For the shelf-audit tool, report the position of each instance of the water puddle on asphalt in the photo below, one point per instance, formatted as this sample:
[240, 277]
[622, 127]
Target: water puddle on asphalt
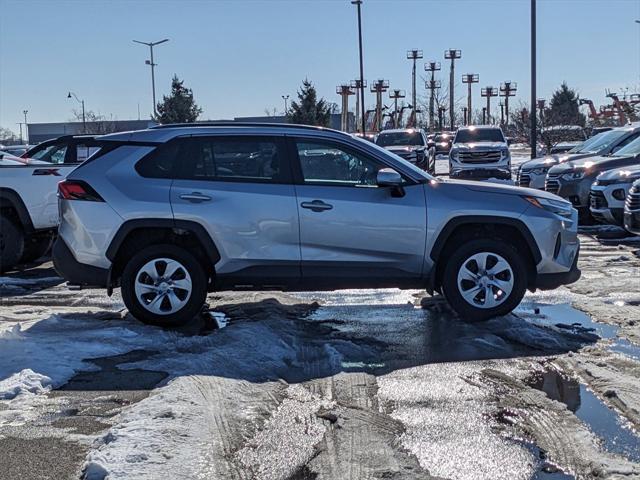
[615, 436]
[625, 347]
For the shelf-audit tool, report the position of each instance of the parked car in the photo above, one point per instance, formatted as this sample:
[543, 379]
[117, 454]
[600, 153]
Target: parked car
[370, 136]
[442, 143]
[608, 194]
[17, 150]
[632, 209]
[410, 144]
[562, 138]
[28, 202]
[480, 152]
[170, 213]
[572, 180]
[533, 173]
[68, 149]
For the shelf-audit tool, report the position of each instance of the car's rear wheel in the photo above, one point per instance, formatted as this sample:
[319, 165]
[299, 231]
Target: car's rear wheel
[164, 285]
[36, 246]
[484, 278]
[11, 243]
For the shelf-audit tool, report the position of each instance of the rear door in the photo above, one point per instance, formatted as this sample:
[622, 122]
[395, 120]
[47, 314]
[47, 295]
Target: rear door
[239, 188]
[352, 232]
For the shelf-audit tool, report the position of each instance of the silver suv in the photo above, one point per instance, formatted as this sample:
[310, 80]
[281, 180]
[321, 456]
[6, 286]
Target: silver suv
[480, 152]
[170, 213]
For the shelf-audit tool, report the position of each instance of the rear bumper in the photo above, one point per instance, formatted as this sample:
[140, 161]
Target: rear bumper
[75, 272]
[549, 281]
[632, 221]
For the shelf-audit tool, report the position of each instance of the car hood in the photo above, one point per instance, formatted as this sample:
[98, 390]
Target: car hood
[594, 164]
[554, 159]
[622, 175]
[403, 148]
[479, 146]
[501, 188]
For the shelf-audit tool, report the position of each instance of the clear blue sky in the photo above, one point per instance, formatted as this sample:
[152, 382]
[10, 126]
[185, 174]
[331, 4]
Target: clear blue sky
[240, 56]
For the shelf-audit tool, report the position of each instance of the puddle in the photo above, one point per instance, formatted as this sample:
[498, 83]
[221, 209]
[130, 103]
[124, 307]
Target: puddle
[544, 469]
[625, 347]
[615, 437]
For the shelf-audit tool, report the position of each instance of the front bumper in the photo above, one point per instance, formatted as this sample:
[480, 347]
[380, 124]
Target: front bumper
[75, 272]
[577, 192]
[526, 178]
[632, 221]
[549, 281]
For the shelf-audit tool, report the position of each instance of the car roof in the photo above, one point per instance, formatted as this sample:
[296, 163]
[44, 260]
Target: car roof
[400, 130]
[479, 127]
[164, 133]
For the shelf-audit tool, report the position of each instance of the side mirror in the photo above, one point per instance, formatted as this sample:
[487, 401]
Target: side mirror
[388, 177]
[509, 141]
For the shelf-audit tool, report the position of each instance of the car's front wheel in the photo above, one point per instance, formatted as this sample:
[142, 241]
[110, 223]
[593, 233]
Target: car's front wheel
[164, 285]
[484, 278]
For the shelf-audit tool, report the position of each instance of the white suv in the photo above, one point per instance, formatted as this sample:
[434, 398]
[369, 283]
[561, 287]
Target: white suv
[480, 152]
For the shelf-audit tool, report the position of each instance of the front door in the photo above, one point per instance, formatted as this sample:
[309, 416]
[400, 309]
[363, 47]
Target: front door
[354, 233]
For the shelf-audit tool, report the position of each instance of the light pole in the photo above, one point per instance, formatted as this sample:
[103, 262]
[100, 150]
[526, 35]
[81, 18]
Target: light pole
[508, 89]
[84, 122]
[413, 55]
[432, 85]
[469, 79]
[358, 4]
[532, 110]
[26, 127]
[379, 87]
[20, 125]
[395, 95]
[286, 106]
[152, 65]
[488, 92]
[356, 86]
[452, 54]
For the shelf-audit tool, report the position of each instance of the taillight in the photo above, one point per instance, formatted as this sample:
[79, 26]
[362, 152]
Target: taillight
[77, 190]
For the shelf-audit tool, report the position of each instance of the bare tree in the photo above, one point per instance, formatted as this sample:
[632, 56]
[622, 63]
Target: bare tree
[96, 124]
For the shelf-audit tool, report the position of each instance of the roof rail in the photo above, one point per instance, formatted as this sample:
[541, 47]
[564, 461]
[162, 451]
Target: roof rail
[243, 124]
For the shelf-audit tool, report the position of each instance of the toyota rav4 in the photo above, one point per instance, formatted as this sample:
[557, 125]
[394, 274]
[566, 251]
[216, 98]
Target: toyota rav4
[170, 213]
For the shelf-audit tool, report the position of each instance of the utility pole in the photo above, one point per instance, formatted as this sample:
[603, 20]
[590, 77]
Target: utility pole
[413, 55]
[488, 92]
[358, 4]
[26, 127]
[344, 91]
[533, 134]
[286, 104]
[395, 95]
[469, 79]
[484, 115]
[379, 87]
[453, 55]
[153, 66]
[359, 86]
[507, 89]
[464, 115]
[432, 85]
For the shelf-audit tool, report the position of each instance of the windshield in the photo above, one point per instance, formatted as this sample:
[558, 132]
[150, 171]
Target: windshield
[629, 150]
[599, 142]
[445, 137]
[52, 154]
[469, 135]
[400, 138]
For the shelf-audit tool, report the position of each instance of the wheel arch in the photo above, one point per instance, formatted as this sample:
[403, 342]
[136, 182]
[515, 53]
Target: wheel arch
[136, 234]
[10, 200]
[461, 229]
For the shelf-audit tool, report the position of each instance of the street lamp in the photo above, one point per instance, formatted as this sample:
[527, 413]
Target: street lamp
[469, 79]
[453, 55]
[358, 4]
[432, 85]
[84, 122]
[395, 95]
[152, 65]
[26, 128]
[358, 85]
[532, 109]
[286, 107]
[413, 55]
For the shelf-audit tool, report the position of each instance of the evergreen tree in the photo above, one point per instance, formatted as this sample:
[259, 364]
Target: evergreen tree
[179, 106]
[308, 110]
[564, 108]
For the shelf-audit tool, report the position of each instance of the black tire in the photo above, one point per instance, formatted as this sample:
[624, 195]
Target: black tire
[11, 243]
[36, 247]
[457, 259]
[195, 301]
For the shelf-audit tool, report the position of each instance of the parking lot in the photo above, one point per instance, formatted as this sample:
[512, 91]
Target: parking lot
[346, 384]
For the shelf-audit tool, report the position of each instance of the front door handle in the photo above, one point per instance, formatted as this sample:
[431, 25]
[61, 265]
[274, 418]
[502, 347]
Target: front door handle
[316, 206]
[195, 197]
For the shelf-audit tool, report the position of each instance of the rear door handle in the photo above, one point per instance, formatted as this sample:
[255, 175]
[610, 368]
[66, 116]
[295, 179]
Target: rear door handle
[316, 206]
[195, 197]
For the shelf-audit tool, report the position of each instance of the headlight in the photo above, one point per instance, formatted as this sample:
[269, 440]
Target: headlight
[454, 155]
[539, 171]
[573, 175]
[619, 194]
[505, 154]
[559, 207]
